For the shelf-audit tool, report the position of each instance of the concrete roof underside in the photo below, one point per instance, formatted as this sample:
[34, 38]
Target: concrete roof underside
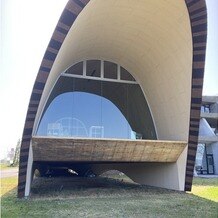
[152, 40]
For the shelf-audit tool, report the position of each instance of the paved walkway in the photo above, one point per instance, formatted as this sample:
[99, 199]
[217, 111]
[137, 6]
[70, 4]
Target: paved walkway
[9, 173]
[207, 176]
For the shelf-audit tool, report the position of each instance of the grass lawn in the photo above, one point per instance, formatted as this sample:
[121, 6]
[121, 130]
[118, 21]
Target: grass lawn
[206, 188]
[107, 197]
[8, 184]
[4, 166]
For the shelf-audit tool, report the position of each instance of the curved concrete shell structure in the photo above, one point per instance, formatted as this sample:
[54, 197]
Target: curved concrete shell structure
[160, 46]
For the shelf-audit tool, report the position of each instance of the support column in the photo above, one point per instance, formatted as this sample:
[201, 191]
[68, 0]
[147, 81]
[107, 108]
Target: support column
[29, 172]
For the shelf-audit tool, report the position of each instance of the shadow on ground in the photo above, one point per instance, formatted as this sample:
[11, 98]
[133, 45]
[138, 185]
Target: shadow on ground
[71, 187]
[103, 197]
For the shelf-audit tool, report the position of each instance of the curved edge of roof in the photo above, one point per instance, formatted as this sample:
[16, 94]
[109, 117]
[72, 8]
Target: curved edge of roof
[198, 19]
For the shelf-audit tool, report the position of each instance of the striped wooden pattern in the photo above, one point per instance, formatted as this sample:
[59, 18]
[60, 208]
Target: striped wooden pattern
[198, 19]
[105, 150]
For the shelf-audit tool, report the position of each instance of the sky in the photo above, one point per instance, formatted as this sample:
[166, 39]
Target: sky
[26, 27]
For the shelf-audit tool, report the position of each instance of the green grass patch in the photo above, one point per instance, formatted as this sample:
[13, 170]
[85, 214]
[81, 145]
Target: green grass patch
[206, 188]
[127, 204]
[7, 184]
[4, 166]
[107, 198]
[197, 181]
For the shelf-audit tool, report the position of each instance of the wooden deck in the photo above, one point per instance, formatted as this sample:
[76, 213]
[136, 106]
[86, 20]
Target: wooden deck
[105, 150]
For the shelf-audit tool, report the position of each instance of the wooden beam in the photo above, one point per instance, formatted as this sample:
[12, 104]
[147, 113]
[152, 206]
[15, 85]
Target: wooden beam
[110, 150]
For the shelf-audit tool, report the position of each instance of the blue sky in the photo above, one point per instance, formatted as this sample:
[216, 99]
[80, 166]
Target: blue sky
[26, 21]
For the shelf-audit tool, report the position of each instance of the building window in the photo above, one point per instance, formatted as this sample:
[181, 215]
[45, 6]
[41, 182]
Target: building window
[207, 108]
[125, 75]
[97, 104]
[93, 68]
[85, 115]
[76, 69]
[110, 70]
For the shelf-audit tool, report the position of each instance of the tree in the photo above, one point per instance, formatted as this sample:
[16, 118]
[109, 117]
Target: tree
[17, 154]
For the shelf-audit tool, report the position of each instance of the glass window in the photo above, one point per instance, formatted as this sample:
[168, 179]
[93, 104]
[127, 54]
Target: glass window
[110, 70]
[117, 94]
[76, 69]
[93, 68]
[86, 115]
[125, 75]
[85, 107]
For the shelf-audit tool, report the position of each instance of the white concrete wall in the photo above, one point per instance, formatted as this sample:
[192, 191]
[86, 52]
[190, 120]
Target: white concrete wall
[205, 129]
[152, 40]
[29, 172]
[164, 175]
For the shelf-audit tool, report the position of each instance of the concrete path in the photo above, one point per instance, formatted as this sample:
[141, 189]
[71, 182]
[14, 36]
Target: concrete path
[9, 173]
[207, 176]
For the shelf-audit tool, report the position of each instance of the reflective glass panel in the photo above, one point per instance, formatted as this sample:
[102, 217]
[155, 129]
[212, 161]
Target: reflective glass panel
[125, 75]
[76, 69]
[86, 107]
[110, 70]
[93, 68]
[86, 115]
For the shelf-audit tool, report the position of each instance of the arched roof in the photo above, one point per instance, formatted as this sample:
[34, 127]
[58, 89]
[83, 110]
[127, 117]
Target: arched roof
[155, 48]
[160, 42]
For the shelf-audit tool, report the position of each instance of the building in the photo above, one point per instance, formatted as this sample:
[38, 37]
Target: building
[119, 87]
[207, 153]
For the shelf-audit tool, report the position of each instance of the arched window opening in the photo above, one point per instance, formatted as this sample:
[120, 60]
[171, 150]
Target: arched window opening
[97, 99]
